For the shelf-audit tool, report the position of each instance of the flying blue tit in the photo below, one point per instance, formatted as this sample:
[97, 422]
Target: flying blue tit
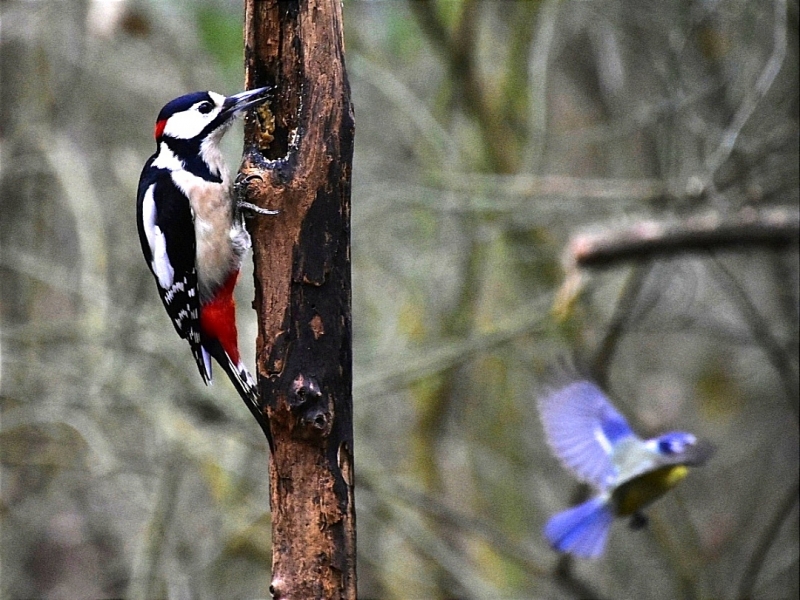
[595, 442]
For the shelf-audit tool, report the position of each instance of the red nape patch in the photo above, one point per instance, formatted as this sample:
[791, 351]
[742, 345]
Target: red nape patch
[160, 128]
[218, 319]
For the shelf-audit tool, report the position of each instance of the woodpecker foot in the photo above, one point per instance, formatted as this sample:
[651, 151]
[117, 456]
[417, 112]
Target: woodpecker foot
[257, 209]
[240, 189]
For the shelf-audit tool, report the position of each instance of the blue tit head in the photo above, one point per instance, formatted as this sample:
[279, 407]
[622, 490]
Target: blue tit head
[675, 442]
[680, 447]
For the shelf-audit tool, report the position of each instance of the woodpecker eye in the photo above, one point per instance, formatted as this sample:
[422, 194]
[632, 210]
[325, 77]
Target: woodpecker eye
[205, 107]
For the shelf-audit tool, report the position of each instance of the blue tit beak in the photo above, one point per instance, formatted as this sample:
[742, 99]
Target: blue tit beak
[698, 454]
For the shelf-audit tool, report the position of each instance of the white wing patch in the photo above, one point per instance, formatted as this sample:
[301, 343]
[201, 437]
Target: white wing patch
[601, 439]
[158, 243]
[207, 363]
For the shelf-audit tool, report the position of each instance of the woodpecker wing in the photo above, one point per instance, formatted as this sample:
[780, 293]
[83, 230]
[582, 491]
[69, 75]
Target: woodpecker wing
[583, 428]
[166, 233]
[242, 381]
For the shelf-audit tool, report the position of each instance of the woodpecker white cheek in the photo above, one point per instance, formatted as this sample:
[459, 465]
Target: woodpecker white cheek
[189, 124]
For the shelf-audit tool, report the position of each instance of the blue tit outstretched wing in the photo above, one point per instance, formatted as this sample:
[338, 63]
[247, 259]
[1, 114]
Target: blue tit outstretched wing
[583, 429]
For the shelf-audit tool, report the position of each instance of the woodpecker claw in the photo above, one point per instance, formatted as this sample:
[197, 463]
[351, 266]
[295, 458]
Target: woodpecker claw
[257, 209]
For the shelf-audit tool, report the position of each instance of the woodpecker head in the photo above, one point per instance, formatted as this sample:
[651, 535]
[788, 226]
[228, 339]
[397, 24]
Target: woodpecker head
[189, 129]
[203, 115]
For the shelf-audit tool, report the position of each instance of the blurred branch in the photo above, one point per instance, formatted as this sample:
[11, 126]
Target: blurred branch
[768, 537]
[538, 81]
[751, 100]
[430, 543]
[457, 49]
[458, 521]
[661, 111]
[81, 198]
[531, 186]
[761, 332]
[514, 89]
[788, 298]
[656, 239]
[46, 272]
[565, 578]
[548, 199]
[400, 374]
[147, 580]
[408, 103]
[619, 321]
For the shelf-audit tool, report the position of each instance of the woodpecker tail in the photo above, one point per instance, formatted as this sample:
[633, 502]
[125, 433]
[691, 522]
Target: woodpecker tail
[220, 340]
[243, 382]
[581, 530]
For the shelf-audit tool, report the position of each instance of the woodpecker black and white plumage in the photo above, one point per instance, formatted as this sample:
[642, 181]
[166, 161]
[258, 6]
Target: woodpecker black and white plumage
[192, 234]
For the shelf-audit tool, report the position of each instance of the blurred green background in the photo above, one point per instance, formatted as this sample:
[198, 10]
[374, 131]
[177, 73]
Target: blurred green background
[488, 134]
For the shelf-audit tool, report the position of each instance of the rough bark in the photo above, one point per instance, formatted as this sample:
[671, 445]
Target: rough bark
[301, 166]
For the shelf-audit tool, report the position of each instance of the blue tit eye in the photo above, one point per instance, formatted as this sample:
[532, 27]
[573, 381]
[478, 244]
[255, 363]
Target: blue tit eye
[675, 442]
[667, 447]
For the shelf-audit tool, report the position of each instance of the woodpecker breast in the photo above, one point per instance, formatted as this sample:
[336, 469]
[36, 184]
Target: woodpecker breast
[215, 230]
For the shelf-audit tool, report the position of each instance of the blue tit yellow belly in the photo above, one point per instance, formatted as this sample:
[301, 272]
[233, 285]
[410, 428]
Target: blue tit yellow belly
[640, 491]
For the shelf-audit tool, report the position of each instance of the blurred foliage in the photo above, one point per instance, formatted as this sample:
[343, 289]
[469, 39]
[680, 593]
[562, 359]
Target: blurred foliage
[222, 36]
[488, 134]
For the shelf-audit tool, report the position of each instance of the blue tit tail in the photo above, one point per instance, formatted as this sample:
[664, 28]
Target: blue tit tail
[581, 530]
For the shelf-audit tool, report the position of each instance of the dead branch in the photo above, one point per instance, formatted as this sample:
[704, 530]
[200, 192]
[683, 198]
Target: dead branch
[776, 227]
[297, 160]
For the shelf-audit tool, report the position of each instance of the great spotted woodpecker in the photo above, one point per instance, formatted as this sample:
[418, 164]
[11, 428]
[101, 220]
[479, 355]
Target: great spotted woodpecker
[192, 233]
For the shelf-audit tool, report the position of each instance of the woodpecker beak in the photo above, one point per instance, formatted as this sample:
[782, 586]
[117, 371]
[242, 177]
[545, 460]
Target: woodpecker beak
[238, 103]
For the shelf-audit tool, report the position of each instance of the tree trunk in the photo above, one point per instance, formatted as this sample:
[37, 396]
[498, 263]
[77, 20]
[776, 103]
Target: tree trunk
[298, 160]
